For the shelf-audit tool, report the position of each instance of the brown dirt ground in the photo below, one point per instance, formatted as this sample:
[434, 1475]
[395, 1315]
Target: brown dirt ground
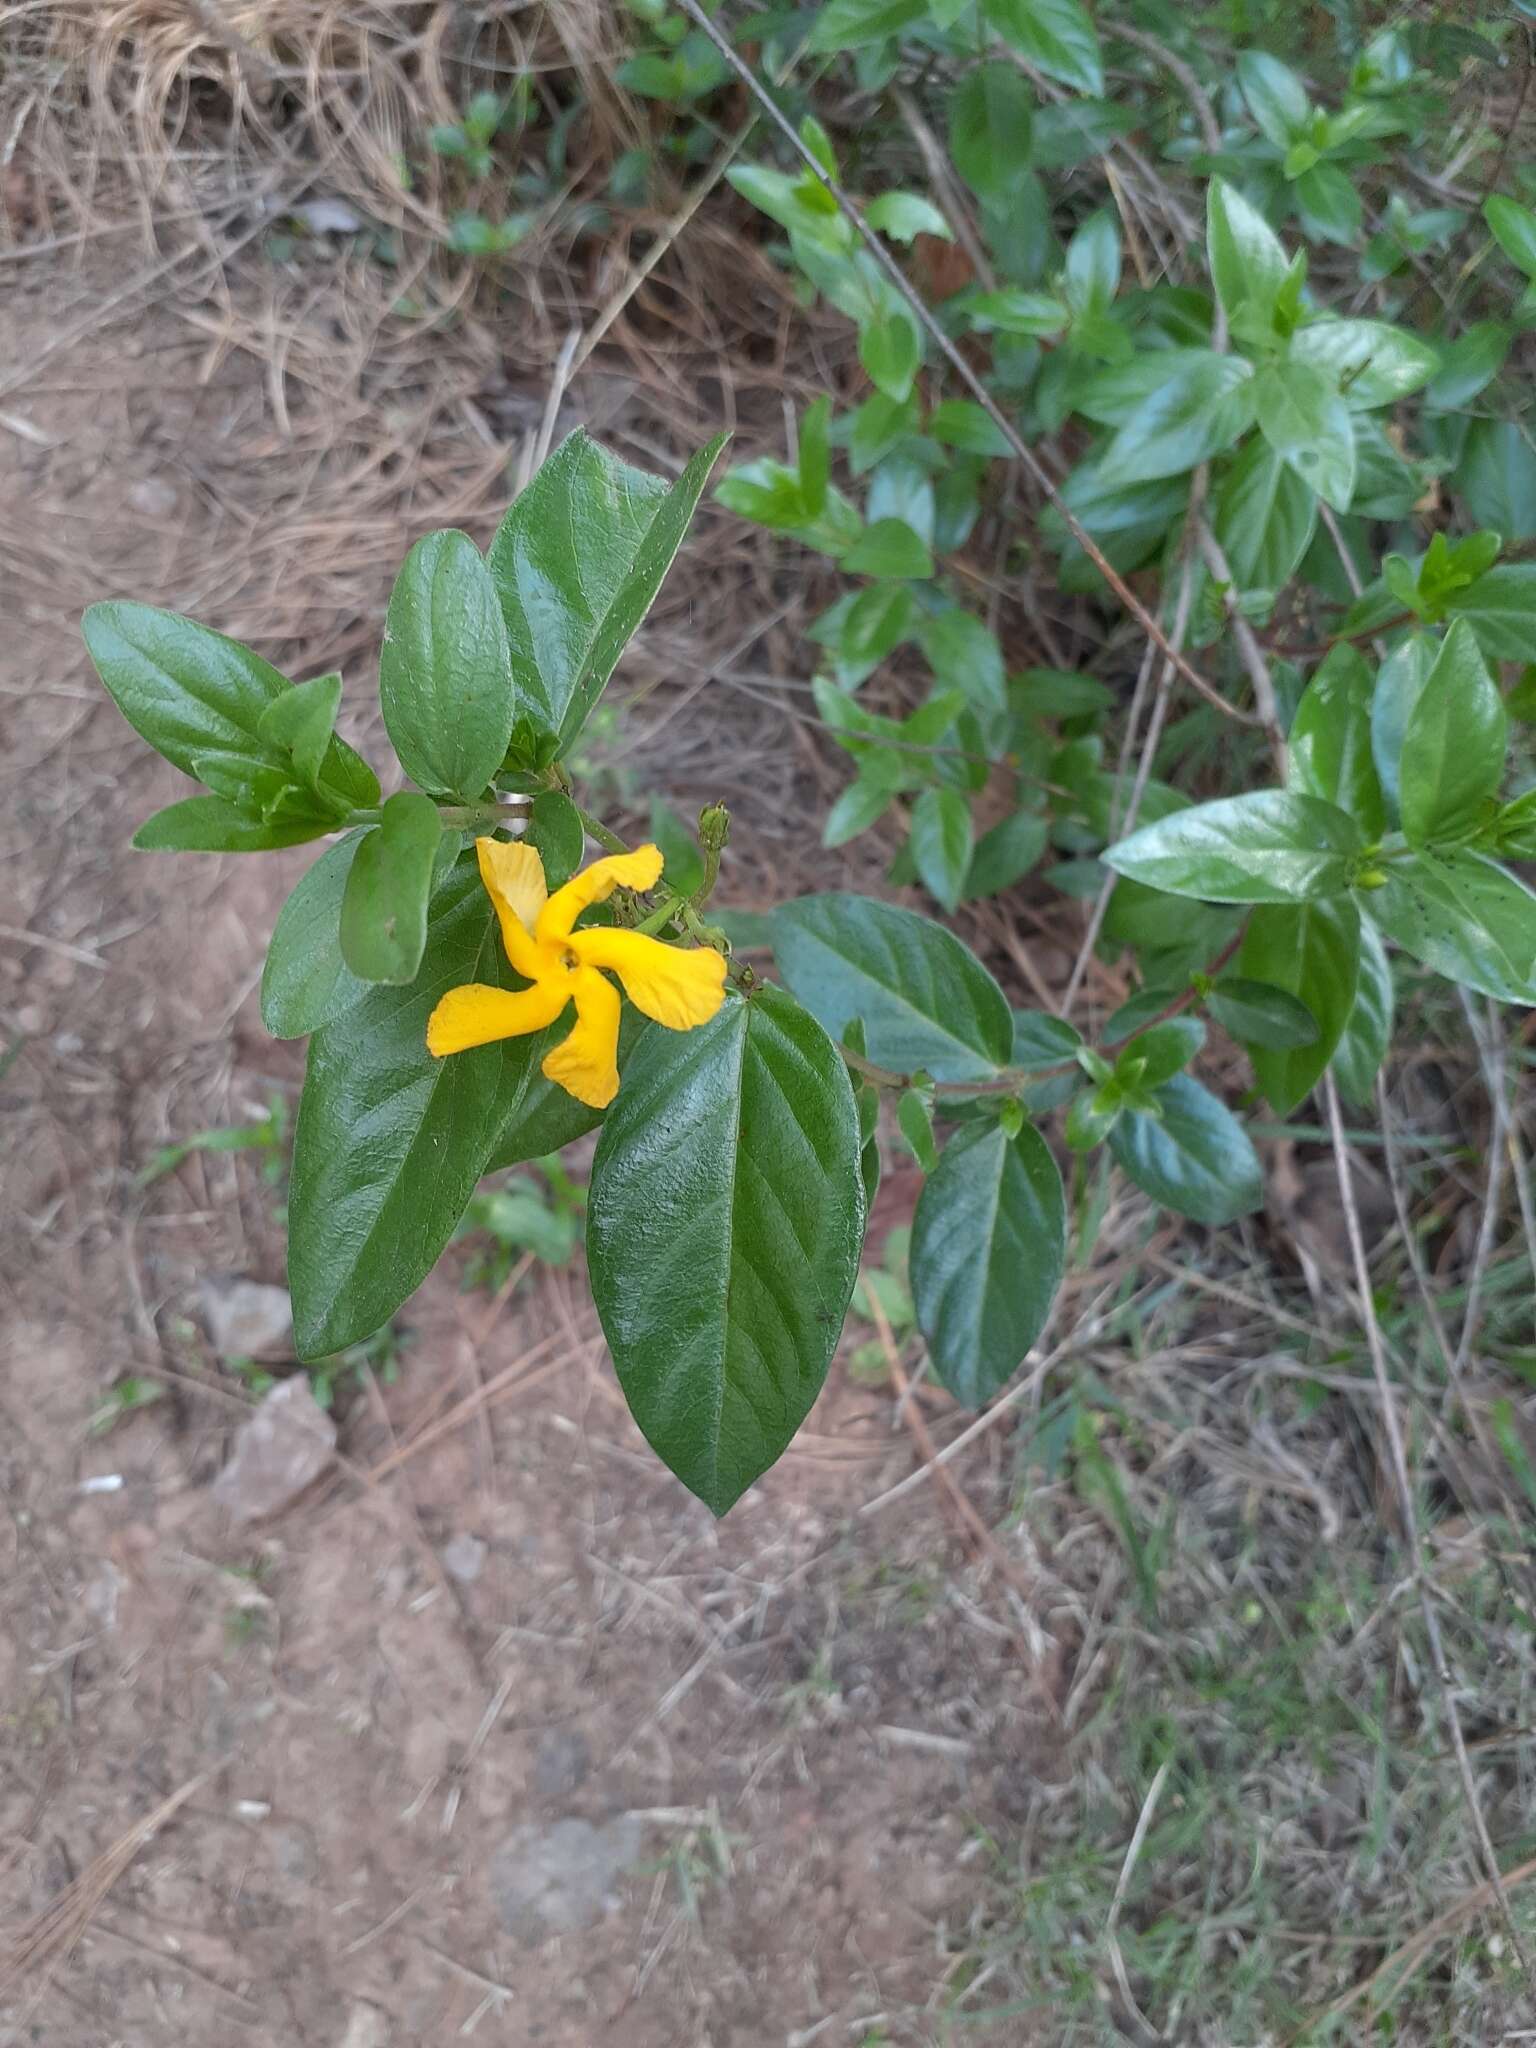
[815, 1722]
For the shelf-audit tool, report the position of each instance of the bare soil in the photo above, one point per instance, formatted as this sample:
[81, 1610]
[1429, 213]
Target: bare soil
[814, 1722]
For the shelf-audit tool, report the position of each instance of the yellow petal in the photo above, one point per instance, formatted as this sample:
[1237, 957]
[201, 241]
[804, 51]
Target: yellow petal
[638, 870]
[677, 988]
[477, 1014]
[513, 875]
[586, 1064]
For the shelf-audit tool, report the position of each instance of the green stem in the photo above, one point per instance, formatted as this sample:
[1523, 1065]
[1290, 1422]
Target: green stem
[596, 829]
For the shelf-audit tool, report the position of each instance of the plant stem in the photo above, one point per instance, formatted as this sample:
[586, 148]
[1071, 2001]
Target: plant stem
[596, 829]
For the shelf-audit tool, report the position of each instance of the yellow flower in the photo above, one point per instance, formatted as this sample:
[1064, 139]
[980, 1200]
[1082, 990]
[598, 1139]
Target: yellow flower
[679, 989]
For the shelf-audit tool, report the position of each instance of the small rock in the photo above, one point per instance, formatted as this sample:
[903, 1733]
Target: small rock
[367, 2027]
[246, 1318]
[464, 1558]
[152, 496]
[560, 1879]
[280, 1452]
[326, 216]
[560, 1762]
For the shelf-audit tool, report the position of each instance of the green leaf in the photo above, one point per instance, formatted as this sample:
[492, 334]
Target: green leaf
[1329, 204]
[1398, 683]
[866, 800]
[1453, 746]
[1056, 36]
[991, 112]
[1497, 477]
[1330, 744]
[1006, 853]
[1257, 1014]
[1248, 265]
[1514, 229]
[544, 1118]
[916, 1121]
[1197, 411]
[925, 999]
[1276, 97]
[1274, 846]
[305, 982]
[384, 909]
[964, 655]
[888, 548]
[1265, 516]
[1040, 1040]
[1370, 362]
[958, 423]
[211, 824]
[300, 723]
[988, 1249]
[1500, 606]
[941, 843]
[850, 24]
[389, 1142]
[1160, 1052]
[891, 350]
[1091, 275]
[906, 215]
[1464, 916]
[445, 684]
[1092, 1115]
[815, 456]
[570, 605]
[1363, 1043]
[725, 1220]
[1311, 950]
[1467, 365]
[556, 830]
[1193, 1156]
[1307, 423]
[1031, 314]
[196, 696]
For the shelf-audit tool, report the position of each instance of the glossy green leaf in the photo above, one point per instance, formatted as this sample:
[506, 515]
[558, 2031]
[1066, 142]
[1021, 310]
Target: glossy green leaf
[1257, 1014]
[1363, 1043]
[556, 830]
[211, 824]
[1497, 477]
[891, 350]
[1311, 950]
[1464, 916]
[1307, 423]
[906, 215]
[1091, 274]
[1265, 515]
[988, 1249]
[1398, 683]
[305, 982]
[1041, 1040]
[1197, 411]
[866, 800]
[1501, 609]
[1372, 363]
[888, 548]
[1329, 205]
[196, 696]
[1330, 742]
[444, 681]
[959, 423]
[1193, 1156]
[384, 908]
[1056, 36]
[577, 562]
[991, 112]
[941, 843]
[1467, 365]
[1006, 853]
[1161, 1051]
[545, 1118]
[1452, 757]
[301, 721]
[1514, 229]
[1274, 846]
[389, 1142]
[1276, 97]
[1248, 265]
[849, 24]
[1033, 315]
[925, 999]
[1092, 1114]
[964, 655]
[725, 1221]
